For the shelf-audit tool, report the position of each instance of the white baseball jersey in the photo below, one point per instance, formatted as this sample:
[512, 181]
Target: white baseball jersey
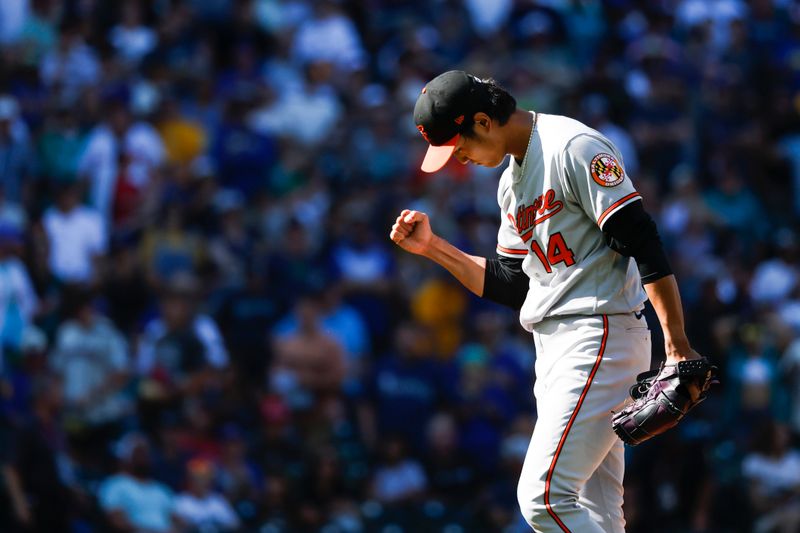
[553, 208]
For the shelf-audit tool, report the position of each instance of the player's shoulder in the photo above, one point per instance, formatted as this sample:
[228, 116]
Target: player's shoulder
[561, 128]
[560, 134]
[560, 124]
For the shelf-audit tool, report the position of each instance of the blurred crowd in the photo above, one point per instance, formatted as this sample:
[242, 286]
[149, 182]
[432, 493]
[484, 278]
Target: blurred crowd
[204, 327]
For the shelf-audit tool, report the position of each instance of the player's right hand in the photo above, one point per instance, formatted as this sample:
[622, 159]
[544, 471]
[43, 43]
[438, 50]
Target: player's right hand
[412, 232]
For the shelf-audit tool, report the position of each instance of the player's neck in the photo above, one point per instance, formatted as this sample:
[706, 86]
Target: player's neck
[518, 133]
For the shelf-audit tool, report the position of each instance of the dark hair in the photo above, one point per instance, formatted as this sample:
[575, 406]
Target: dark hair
[498, 104]
[76, 298]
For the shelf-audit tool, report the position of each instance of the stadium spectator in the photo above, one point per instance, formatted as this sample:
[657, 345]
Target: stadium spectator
[40, 462]
[399, 479]
[244, 158]
[342, 322]
[39, 32]
[201, 508]
[120, 153]
[309, 364]
[404, 389]
[18, 300]
[132, 39]
[72, 65]
[329, 35]
[171, 248]
[181, 350]
[773, 469]
[61, 145]
[16, 152]
[451, 475]
[91, 358]
[238, 475]
[232, 250]
[77, 238]
[131, 499]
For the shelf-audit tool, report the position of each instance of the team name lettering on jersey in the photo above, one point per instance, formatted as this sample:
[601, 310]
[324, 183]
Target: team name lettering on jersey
[542, 208]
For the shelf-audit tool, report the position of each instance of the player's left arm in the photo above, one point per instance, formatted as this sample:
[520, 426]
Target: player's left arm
[632, 232]
[666, 300]
[595, 177]
[664, 396]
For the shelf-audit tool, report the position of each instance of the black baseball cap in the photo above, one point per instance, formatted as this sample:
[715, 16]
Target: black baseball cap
[444, 110]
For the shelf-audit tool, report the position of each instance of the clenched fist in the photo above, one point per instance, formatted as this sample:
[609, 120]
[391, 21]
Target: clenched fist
[412, 232]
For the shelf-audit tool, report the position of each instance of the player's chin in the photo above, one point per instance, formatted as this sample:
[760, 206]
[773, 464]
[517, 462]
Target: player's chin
[496, 162]
[489, 164]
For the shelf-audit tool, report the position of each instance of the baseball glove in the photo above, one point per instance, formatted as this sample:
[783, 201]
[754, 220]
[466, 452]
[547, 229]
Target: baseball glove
[662, 398]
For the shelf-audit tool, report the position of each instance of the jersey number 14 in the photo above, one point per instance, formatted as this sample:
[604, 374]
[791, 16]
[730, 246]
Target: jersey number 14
[557, 252]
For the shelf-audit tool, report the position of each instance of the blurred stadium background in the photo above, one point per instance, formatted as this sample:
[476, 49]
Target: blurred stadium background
[205, 328]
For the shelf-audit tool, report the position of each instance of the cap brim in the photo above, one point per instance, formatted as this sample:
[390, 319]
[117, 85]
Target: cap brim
[438, 156]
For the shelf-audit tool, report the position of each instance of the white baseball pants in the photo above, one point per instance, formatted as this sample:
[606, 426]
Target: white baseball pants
[571, 480]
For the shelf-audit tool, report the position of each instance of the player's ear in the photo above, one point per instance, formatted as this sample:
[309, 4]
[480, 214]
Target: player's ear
[483, 122]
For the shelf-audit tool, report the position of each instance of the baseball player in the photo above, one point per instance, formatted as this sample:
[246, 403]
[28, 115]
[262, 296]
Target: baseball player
[574, 249]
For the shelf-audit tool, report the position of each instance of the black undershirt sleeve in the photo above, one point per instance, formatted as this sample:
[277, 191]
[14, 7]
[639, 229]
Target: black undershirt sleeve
[633, 233]
[505, 282]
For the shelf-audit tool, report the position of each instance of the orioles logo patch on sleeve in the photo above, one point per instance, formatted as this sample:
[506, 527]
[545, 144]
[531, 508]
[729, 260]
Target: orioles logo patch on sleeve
[606, 171]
